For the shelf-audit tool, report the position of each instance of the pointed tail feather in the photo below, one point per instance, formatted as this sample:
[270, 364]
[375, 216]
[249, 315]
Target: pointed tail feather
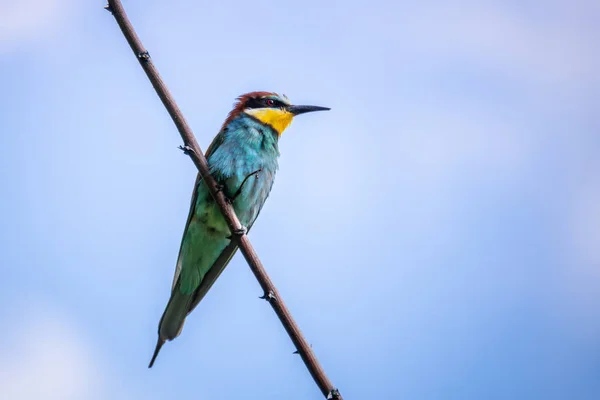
[159, 344]
[172, 320]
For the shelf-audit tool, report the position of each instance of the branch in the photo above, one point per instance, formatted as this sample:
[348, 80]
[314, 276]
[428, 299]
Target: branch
[193, 150]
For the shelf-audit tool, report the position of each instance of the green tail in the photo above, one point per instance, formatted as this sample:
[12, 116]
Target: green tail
[172, 320]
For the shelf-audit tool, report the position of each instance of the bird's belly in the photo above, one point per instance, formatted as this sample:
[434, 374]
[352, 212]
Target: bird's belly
[253, 193]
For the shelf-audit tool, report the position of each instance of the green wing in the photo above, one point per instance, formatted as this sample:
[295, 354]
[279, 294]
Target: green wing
[217, 268]
[217, 141]
[211, 276]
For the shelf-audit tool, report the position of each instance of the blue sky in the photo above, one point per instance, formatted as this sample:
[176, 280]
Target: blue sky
[436, 234]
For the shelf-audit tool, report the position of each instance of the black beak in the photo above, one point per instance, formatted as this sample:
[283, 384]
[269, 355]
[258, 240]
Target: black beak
[297, 110]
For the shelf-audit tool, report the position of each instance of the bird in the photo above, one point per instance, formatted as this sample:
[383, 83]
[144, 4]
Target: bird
[243, 159]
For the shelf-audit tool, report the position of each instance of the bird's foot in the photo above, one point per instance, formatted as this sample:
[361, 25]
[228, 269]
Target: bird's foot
[333, 394]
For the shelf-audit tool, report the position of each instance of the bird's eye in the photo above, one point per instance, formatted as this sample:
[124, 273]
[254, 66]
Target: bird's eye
[270, 102]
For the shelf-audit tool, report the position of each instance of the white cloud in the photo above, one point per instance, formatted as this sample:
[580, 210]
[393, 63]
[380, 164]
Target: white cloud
[47, 358]
[26, 20]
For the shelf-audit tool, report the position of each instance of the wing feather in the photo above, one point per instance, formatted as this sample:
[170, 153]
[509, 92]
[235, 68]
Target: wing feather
[217, 141]
[212, 274]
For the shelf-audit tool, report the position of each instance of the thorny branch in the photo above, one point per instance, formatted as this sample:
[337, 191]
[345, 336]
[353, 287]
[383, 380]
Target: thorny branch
[193, 150]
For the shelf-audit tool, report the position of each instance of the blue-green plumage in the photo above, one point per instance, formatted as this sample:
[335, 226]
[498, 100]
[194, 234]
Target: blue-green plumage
[244, 147]
[243, 159]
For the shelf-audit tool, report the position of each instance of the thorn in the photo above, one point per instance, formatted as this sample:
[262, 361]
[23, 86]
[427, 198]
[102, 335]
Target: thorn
[108, 8]
[187, 150]
[270, 296]
[296, 352]
[238, 232]
[144, 55]
[333, 394]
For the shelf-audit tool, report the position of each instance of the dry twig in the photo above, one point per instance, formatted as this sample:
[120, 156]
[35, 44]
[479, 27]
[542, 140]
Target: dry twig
[193, 150]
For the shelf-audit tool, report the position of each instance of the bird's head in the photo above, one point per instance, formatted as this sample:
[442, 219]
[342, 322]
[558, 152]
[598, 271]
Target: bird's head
[270, 109]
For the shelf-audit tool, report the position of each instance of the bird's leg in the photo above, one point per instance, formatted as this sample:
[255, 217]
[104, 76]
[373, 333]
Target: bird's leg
[237, 193]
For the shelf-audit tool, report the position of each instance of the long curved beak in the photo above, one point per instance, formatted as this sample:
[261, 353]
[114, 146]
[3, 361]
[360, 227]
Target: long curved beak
[297, 110]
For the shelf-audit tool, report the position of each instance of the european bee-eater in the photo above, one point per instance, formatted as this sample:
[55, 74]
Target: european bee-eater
[243, 160]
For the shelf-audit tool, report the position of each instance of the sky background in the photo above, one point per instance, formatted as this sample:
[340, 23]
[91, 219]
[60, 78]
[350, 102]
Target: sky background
[436, 235]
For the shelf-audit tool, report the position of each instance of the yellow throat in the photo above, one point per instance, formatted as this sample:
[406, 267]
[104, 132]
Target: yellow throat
[279, 119]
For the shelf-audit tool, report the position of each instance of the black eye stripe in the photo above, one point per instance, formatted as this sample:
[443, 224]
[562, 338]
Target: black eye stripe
[264, 102]
[253, 103]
